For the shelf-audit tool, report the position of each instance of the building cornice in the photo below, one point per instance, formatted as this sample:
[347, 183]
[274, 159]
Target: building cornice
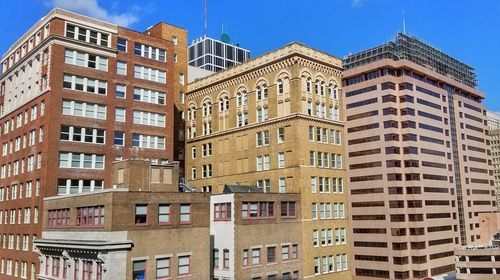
[269, 122]
[294, 53]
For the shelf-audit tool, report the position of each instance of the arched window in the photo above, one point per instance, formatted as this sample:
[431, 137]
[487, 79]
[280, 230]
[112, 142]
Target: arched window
[332, 91]
[281, 87]
[261, 92]
[207, 108]
[223, 103]
[316, 87]
[308, 85]
[241, 98]
[322, 89]
[191, 114]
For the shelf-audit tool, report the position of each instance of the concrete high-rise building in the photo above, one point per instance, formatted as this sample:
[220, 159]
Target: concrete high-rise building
[216, 55]
[275, 122]
[418, 159]
[494, 134]
[76, 94]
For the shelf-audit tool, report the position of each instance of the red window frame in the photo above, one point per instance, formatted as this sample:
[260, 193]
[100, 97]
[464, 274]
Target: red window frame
[222, 211]
[184, 213]
[163, 267]
[295, 248]
[135, 215]
[87, 270]
[85, 216]
[55, 266]
[168, 214]
[245, 257]
[290, 211]
[269, 210]
[58, 218]
[289, 252]
[260, 256]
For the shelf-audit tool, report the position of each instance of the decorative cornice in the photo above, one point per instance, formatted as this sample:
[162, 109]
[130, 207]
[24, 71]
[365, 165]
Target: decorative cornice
[294, 53]
[264, 124]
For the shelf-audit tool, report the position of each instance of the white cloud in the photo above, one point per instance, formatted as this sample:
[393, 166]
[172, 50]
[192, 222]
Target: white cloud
[93, 9]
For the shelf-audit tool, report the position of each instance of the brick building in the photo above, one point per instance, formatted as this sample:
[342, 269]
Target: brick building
[256, 235]
[143, 228]
[274, 122]
[418, 159]
[77, 93]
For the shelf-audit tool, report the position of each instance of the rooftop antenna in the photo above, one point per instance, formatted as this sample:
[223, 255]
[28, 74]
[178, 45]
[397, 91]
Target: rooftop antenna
[205, 16]
[404, 23]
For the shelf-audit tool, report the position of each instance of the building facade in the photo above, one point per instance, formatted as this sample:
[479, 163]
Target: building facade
[256, 235]
[274, 122]
[481, 260]
[76, 93]
[216, 55]
[494, 134]
[418, 159]
[143, 228]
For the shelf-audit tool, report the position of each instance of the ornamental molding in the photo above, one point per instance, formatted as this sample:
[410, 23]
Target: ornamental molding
[285, 57]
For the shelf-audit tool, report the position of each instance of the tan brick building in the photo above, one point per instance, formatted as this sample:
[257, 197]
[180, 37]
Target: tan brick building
[256, 235]
[274, 122]
[494, 134]
[77, 93]
[142, 229]
[418, 159]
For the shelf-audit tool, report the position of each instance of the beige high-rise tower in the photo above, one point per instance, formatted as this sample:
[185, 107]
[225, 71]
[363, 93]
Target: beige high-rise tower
[274, 122]
[418, 159]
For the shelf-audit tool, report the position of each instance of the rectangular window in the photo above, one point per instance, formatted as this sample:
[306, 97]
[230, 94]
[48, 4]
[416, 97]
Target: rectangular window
[92, 216]
[222, 211]
[150, 74]
[121, 91]
[281, 159]
[164, 214]
[288, 209]
[120, 114]
[83, 109]
[148, 141]
[121, 44]
[57, 217]
[256, 256]
[226, 259]
[85, 60]
[138, 270]
[149, 96]
[184, 265]
[150, 52]
[149, 118]
[121, 68]
[141, 214]
[185, 214]
[84, 161]
[271, 254]
[257, 210]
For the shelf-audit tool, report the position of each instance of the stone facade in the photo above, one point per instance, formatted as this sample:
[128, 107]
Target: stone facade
[265, 122]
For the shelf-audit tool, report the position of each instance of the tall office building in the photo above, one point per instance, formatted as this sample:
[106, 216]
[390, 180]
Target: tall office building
[216, 55]
[418, 159]
[76, 94]
[274, 122]
[494, 133]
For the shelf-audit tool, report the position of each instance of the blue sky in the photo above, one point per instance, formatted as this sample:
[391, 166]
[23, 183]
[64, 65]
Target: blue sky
[467, 30]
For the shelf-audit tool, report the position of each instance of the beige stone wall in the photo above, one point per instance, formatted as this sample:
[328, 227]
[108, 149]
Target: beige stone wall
[234, 150]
